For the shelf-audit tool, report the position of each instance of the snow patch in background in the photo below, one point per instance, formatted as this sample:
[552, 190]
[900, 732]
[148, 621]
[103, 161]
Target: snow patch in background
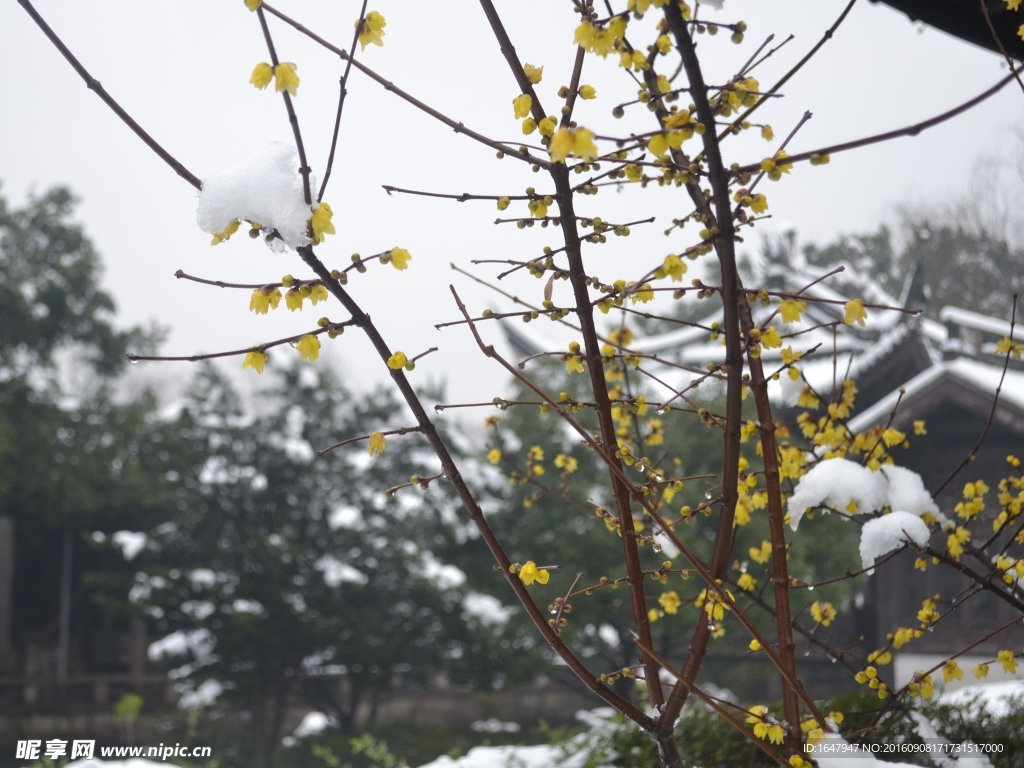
[264, 188]
[335, 572]
[882, 535]
[995, 697]
[129, 542]
[203, 696]
[312, 724]
[486, 609]
[494, 725]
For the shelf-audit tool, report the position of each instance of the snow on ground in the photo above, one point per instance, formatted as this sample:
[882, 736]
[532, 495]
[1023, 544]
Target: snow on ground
[995, 697]
[540, 756]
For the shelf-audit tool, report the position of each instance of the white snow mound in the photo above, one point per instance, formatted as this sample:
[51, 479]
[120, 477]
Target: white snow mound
[882, 535]
[265, 188]
[906, 493]
[837, 482]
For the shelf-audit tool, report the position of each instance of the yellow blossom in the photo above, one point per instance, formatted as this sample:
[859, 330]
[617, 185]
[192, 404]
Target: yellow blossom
[957, 539]
[285, 78]
[309, 347]
[664, 43]
[547, 126]
[318, 293]
[789, 356]
[530, 573]
[397, 361]
[533, 74]
[653, 615]
[770, 338]
[521, 105]
[598, 40]
[255, 360]
[766, 133]
[951, 671]
[670, 601]
[643, 293]
[575, 143]
[377, 444]
[263, 300]
[1008, 662]
[893, 437]
[919, 427]
[494, 455]
[854, 312]
[759, 203]
[399, 258]
[252, 5]
[321, 223]
[588, 92]
[372, 30]
[226, 233]
[1012, 5]
[746, 582]
[573, 364]
[791, 309]
[568, 463]
[293, 299]
[529, 126]
[980, 671]
[761, 554]
[1006, 346]
[754, 645]
[823, 613]
[262, 74]
[674, 267]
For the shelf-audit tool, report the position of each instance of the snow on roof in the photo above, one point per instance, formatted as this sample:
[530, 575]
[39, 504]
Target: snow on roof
[979, 322]
[982, 377]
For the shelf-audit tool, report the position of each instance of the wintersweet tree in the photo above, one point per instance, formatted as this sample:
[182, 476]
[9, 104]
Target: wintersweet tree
[617, 403]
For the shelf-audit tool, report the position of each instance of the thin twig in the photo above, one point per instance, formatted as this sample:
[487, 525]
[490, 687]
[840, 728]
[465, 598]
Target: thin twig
[257, 348]
[995, 37]
[390, 86]
[94, 85]
[403, 431]
[992, 413]
[343, 87]
[910, 130]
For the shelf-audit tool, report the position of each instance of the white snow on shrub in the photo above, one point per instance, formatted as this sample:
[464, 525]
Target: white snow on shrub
[130, 543]
[265, 188]
[882, 535]
[837, 482]
[907, 494]
[203, 696]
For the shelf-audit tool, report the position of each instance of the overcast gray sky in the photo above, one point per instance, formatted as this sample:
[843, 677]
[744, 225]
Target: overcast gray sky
[181, 69]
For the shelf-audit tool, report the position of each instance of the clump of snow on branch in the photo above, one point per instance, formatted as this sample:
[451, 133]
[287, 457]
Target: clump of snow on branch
[882, 535]
[907, 493]
[837, 483]
[265, 188]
